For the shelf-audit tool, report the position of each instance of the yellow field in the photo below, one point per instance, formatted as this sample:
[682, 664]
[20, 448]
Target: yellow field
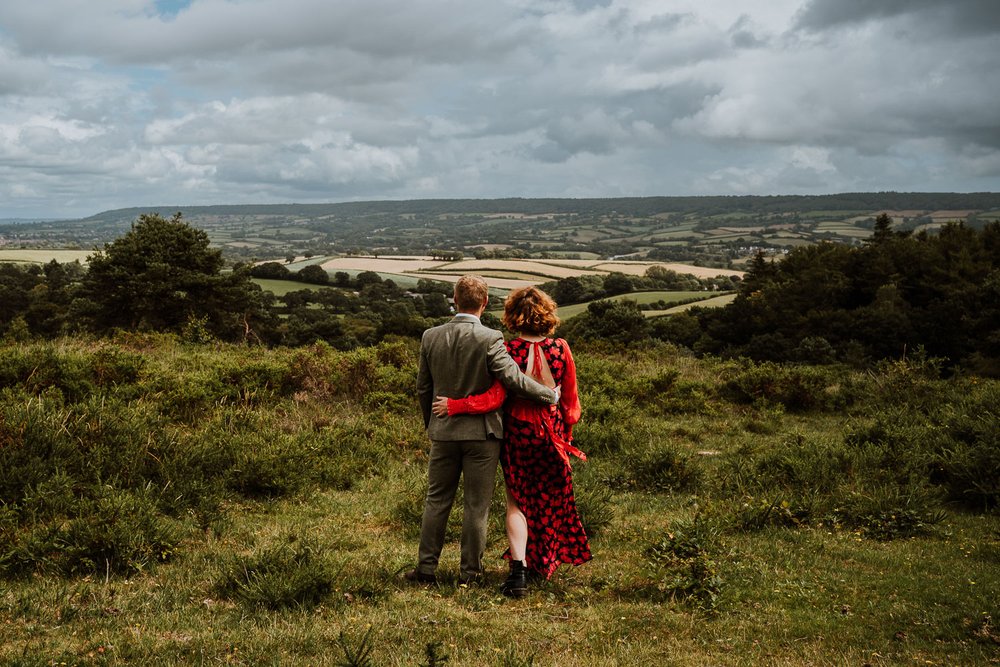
[506, 273]
[44, 256]
[387, 264]
[542, 267]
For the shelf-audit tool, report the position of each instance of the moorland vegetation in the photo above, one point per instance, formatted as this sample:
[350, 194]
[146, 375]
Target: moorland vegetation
[182, 479]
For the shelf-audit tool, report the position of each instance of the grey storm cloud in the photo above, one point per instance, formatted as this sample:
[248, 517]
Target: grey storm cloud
[114, 104]
[940, 16]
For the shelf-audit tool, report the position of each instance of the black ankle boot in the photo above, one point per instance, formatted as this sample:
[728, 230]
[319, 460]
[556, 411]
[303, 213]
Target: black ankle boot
[516, 585]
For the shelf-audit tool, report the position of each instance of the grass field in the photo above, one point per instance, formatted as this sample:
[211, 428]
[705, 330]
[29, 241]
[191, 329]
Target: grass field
[711, 302]
[698, 560]
[566, 312]
[499, 273]
[282, 287]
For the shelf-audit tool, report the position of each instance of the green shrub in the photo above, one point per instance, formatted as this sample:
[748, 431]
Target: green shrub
[608, 437]
[663, 467]
[681, 563]
[797, 388]
[253, 381]
[686, 396]
[761, 512]
[390, 401]
[114, 366]
[887, 512]
[38, 368]
[595, 508]
[969, 462]
[291, 574]
[599, 408]
[116, 532]
[267, 464]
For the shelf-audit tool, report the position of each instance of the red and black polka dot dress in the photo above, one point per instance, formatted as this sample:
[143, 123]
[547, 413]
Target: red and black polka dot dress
[536, 467]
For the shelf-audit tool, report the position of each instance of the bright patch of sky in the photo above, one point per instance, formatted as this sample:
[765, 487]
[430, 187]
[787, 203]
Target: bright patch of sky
[171, 7]
[146, 102]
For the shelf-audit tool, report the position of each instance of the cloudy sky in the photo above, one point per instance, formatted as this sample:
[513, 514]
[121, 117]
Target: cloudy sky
[119, 103]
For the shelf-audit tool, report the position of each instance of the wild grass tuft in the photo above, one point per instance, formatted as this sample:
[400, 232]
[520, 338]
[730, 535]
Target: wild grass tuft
[681, 563]
[291, 573]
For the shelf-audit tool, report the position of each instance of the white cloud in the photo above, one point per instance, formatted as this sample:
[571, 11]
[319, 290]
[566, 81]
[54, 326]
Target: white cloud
[112, 103]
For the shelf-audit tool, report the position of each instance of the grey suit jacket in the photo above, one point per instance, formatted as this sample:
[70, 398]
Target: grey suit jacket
[461, 358]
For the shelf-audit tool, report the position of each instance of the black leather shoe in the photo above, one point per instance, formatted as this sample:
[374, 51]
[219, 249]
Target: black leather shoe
[418, 577]
[516, 585]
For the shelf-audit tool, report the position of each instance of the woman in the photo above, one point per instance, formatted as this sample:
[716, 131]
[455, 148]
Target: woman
[543, 526]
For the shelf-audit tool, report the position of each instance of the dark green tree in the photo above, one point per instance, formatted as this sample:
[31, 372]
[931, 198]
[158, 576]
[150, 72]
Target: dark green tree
[272, 270]
[617, 283]
[314, 274]
[161, 275]
[617, 321]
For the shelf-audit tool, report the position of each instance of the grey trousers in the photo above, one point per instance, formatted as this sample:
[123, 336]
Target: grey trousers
[476, 460]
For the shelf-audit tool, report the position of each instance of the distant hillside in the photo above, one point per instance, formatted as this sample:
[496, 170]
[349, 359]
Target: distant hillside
[638, 206]
[714, 231]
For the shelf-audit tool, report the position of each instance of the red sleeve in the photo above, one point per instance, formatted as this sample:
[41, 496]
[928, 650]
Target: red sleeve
[569, 401]
[478, 404]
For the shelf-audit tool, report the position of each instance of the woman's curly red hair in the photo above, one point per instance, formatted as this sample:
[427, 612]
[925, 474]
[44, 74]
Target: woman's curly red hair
[531, 311]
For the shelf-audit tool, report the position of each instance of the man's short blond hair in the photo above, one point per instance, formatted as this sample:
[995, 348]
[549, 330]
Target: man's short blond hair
[471, 292]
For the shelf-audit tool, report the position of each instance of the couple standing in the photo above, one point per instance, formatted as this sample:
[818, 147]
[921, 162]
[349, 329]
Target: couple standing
[465, 372]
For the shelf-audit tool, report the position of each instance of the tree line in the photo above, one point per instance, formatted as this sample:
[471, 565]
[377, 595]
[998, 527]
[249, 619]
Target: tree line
[900, 292]
[162, 276]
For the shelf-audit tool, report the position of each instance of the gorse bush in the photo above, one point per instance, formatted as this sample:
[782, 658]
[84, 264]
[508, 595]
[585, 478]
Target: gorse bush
[969, 460]
[796, 388]
[113, 532]
[291, 573]
[86, 431]
[663, 467]
[682, 565]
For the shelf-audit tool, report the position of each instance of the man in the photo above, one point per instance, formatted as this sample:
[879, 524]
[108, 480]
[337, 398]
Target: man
[457, 359]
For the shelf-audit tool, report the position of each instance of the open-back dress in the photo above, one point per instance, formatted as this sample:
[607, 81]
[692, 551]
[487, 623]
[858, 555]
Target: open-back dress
[535, 455]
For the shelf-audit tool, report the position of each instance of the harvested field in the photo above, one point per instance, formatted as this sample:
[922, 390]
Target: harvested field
[387, 264]
[950, 215]
[42, 256]
[500, 283]
[544, 269]
[639, 268]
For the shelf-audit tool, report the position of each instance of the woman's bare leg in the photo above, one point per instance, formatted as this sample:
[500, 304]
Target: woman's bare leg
[517, 529]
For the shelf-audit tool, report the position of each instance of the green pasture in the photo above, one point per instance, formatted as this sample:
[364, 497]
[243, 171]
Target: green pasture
[166, 502]
[710, 302]
[567, 312]
[832, 215]
[675, 234]
[790, 242]
[581, 255]
[280, 288]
